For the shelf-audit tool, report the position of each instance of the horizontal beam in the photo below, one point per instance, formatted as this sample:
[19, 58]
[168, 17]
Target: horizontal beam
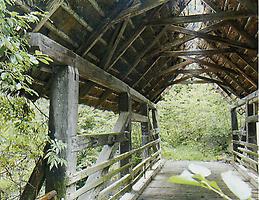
[196, 71]
[211, 37]
[210, 65]
[139, 118]
[86, 69]
[172, 69]
[197, 52]
[84, 141]
[245, 99]
[202, 18]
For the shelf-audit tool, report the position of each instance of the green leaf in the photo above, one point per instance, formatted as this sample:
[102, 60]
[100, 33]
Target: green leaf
[214, 185]
[184, 181]
[43, 61]
[34, 60]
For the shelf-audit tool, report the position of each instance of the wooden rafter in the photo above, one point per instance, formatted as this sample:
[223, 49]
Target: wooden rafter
[195, 71]
[101, 29]
[211, 37]
[172, 69]
[119, 53]
[250, 5]
[138, 9]
[233, 23]
[117, 35]
[146, 72]
[231, 76]
[210, 65]
[186, 38]
[197, 52]
[202, 18]
[237, 67]
[142, 54]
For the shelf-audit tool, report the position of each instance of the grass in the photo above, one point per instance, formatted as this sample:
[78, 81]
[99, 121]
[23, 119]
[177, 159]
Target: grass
[189, 152]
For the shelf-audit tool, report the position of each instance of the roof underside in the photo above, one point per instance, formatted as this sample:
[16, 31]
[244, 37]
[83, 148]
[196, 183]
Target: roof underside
[146, 44]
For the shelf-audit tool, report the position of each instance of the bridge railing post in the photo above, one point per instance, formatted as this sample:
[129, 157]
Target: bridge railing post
[125, 105]
[63, 115]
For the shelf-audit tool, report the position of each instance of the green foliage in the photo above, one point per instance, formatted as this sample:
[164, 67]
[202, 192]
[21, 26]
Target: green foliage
[53, 154]
[22, 138]
[15, 58]
[195, 176]
[194, 117]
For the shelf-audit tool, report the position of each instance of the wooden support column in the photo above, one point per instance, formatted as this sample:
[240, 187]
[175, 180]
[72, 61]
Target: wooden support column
[234, 126]
[125, 106]
[145, 128]
[156, 125]
[250, 126]
[62, 126]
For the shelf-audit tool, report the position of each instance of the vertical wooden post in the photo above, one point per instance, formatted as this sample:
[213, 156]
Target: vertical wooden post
[125, 106]
[62, 126]
[234, 126]
[250, 126]
[156, 124]
[145, 128]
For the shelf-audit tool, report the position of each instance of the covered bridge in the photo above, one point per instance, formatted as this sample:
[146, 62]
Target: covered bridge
[121, 55]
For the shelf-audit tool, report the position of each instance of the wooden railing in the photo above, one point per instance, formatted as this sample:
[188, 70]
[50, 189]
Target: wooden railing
[125, 182]
[114, 173]
[245, 139]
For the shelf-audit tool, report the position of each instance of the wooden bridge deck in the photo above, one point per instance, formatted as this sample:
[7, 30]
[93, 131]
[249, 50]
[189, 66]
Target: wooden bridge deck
[161, 189]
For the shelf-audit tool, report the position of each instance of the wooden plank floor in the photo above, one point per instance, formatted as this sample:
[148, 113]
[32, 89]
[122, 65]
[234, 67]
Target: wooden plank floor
[161, 189]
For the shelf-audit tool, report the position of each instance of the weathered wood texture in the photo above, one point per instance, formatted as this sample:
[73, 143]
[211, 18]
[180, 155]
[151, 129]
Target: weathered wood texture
[119, 38]
[160, 188]
[62, 126]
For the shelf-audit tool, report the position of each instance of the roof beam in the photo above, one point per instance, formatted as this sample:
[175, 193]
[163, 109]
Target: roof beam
[101, 29]
[186, 38]
[86, 69]
[211, 65]
[142, 54]
[198, 52]
[211, 37]
[195, 71]
[234, 24]
[139, 8]
[175, 67]
[124, 47]
[117, 35]
[237, 67]
[202, 18]
[146, 72]
[250, 5]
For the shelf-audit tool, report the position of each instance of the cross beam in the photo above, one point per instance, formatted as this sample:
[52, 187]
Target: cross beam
[86, 69]
[197, 52]
[211, 37]
[202, 18]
